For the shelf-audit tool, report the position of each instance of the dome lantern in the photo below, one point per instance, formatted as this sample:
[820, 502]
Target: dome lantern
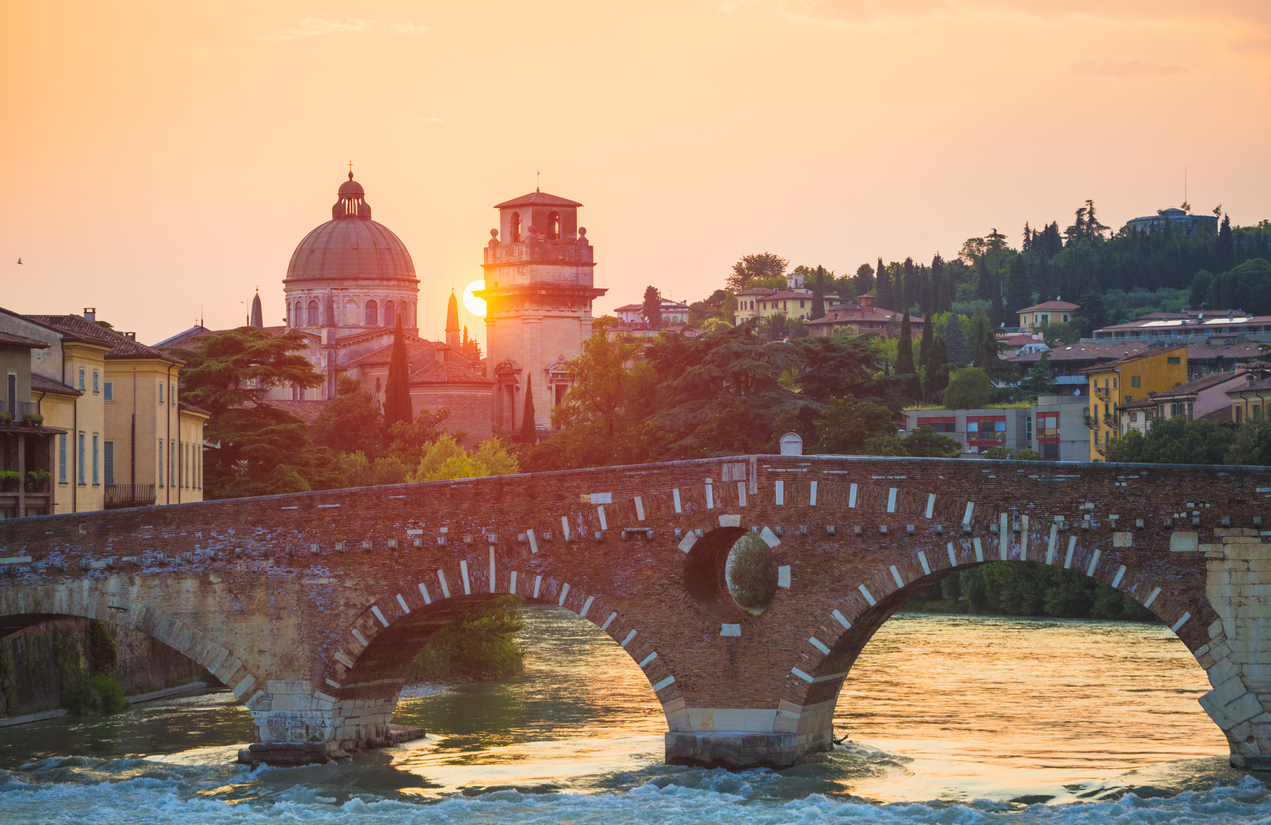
[352, 201]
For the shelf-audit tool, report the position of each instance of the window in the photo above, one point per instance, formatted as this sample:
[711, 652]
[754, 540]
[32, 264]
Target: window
[62, 444]
[109, 391]
[389, 314]
[172, 394]
[313, 313]
[79, 462]
[516, 227]
[297, 318]
[108, 461]
[173, 478]
[161, 462]
[553, 226]
[1134, 380]
[1239, 410]
[12, 401]
[96, 475]
[96, 385]
[1173, 359]
[372, 314]
[160, 392]
[1050, 450]
[800, 304]
[81, 379]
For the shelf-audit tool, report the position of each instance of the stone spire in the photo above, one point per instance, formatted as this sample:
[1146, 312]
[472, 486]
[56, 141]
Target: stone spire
[258, 317]
[452, 322]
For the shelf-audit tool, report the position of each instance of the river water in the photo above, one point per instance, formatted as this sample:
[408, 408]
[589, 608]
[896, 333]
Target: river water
[952, 720]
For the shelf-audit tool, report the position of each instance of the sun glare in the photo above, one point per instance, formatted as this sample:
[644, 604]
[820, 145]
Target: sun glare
[474, 304]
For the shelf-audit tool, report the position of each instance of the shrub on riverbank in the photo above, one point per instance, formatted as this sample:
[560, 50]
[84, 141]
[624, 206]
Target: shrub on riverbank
[1028, 589]
[98, 695]
[480, 644]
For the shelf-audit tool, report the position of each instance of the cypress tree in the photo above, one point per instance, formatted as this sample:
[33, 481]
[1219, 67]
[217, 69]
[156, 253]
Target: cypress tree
[529, 432]
[925, 346]
[818, 294]
[957, 346]
[882, 287]
[397, 391]
[905, 358]
[905, 347]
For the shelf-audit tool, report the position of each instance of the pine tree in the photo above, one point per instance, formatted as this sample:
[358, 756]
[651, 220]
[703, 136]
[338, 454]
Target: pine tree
[1028, 238]
[397, 405]
[818, 294]
[529, 431]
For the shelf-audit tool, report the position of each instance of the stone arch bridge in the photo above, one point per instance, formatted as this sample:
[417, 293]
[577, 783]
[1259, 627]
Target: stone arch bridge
[311, 606]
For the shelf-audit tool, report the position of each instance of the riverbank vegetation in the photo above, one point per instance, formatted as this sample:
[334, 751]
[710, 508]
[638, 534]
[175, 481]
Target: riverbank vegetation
[479, 644]
[1028, 589]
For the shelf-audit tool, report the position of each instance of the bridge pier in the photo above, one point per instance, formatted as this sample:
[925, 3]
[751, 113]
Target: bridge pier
[296, 724]
[749, 738]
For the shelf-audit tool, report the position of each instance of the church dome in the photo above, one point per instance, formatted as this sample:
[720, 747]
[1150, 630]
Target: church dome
[351, 246]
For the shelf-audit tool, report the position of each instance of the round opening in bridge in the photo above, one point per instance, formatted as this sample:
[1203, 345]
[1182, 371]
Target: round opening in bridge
[750, 573]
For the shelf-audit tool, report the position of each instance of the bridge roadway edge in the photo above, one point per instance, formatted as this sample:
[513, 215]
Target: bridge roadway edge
[305, 603]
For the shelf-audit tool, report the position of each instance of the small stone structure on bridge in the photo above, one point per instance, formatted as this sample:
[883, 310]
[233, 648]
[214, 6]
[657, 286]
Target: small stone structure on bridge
[312, 606]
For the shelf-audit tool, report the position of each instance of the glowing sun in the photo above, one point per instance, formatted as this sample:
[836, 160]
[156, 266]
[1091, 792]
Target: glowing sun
[471, 302]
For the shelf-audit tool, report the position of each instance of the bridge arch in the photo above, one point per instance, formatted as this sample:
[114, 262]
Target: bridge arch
[114, 602]
[365, 672]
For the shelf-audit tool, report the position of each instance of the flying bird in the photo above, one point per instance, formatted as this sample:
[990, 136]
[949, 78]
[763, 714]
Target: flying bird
[19, 260]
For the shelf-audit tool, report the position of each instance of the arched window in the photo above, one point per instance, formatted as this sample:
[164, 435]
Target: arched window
[553, 226]
[372, 314]
[389, 316]
[313, 314]
[516, 227]
[350, 313]
[298, 317]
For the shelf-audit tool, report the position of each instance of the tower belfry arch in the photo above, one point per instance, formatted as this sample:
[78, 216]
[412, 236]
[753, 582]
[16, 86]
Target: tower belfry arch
[539, 288]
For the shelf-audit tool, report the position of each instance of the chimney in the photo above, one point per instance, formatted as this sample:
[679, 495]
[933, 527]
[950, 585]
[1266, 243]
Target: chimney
[90, 314]
[131, 336]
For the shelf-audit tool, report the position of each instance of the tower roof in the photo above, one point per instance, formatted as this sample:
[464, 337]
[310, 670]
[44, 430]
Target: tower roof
[452, 314]
[351, 246]
[537, 198]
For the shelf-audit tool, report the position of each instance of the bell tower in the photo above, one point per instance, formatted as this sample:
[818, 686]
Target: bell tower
[538, 291]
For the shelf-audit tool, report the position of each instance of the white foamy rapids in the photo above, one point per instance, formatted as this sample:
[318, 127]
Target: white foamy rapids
[161, 793]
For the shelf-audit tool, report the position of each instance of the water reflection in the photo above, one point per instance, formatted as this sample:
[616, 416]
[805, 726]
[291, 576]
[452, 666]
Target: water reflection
[948, 708]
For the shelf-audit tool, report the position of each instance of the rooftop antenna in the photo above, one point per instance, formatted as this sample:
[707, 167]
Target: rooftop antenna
[537, 175]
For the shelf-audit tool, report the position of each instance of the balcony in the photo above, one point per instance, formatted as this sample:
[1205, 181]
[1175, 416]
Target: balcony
[1101, 392]
[119, 496]
[1109, 420]
[1090, 420]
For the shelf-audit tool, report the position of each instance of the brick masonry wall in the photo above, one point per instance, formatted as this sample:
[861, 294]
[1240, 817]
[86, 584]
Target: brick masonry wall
[310, 606]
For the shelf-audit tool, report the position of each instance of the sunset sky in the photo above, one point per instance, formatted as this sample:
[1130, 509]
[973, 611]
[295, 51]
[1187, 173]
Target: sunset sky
[164, 158]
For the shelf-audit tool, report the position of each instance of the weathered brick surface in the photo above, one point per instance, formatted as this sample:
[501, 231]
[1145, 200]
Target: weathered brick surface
[311, 606]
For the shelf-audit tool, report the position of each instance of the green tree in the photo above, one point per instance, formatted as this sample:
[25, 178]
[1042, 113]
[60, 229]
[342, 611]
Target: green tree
[1040, 379]
[846, 424]
[969, 389]
[925, 442]
[261, 450]
[604, 389]
[445, 459]
[1174, 441]
[884, 294]
[864, 279]
[351, 422]
[651, 309]
[750, 268]
[397, 405]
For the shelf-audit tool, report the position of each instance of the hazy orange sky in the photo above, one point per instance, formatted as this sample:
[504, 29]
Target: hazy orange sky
[165, 156]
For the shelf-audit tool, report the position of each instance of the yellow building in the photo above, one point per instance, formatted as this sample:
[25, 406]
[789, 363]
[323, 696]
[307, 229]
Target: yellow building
[1122, 382]
[129, 441]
